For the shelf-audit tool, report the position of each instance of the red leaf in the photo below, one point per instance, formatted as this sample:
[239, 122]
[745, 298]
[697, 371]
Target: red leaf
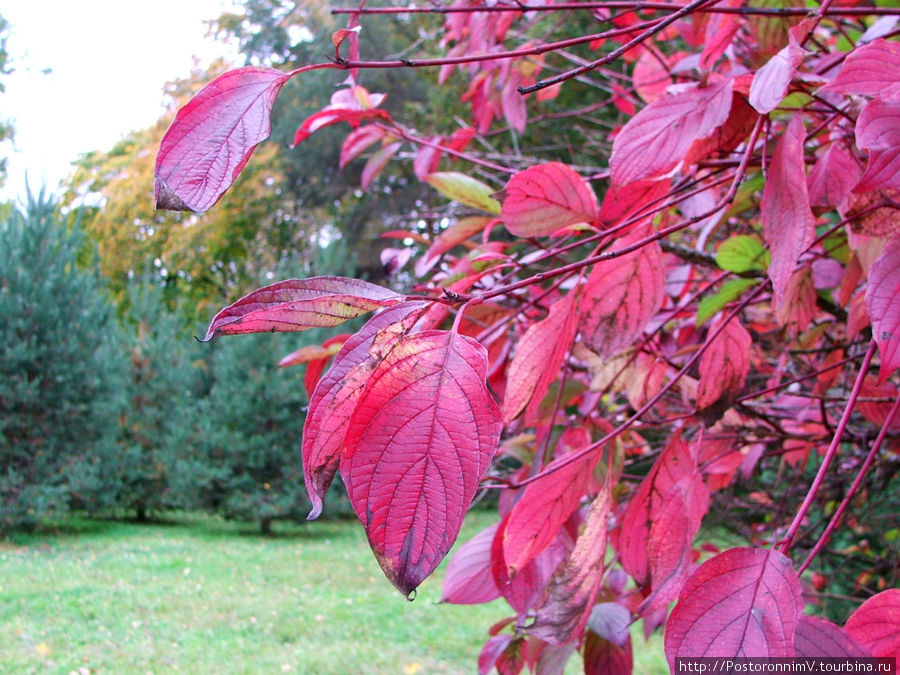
[546, 198]
[310, 353]
[529, 584]
[622, 202]
[544, 507]
[877, 411]
[771, 82]
[602, 657]
[453, 235]
[723, 368]
[491, 651]
[743, 602]
[420, 439]
[832, 177]
[621, 295]
[878, 131]
[332, 402]
[539, 357]
[883, 306]
[357, 141]
[870, 70]
[661, 521]
[314, 368]
[300, 304]
[674, 464]
[468, 580]
[428, 158]
[875, 625]
[573, 589]
[654, 141]
[788, 222]
[817, 637]
[213, 136]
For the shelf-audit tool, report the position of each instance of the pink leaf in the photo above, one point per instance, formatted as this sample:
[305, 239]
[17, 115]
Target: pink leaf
[545, 506]
[213, 136]
[870, 70]
[875, 625]
[377, 162]
[468, 580]
[816, 637]
[723, 368]
[771, 82]
[743, 602]
[788, 222]
[422, 435]
[546, 198]
[878, 131]
[621, 295]
[492, 651]
[720, 31]
[832, 177]
[654, 141]
[333, 400]
[351, 105]
[574, 587]
[358, 141]
[300, 304]
[539, 357]
[883, 306]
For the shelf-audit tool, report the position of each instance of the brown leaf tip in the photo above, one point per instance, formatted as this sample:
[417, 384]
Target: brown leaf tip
[167, 199]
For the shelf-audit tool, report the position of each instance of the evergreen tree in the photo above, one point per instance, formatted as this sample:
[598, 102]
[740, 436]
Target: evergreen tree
[154, 456]
[60, 365]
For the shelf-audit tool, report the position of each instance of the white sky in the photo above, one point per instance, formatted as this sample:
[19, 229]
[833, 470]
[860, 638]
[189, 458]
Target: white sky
[109, 61]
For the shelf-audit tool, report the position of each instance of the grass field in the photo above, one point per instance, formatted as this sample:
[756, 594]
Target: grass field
[204, 596]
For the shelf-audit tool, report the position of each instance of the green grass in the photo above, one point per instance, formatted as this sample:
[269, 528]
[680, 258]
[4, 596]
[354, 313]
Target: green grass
[202, 596]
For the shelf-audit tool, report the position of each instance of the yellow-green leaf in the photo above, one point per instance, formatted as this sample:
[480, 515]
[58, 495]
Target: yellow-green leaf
[464, 189]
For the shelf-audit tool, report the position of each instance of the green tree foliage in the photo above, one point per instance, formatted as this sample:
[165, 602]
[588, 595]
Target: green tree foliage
[60, 370]
[154, 456]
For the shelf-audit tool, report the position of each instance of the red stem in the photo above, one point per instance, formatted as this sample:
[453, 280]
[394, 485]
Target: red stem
[836, 518]
[786, 543]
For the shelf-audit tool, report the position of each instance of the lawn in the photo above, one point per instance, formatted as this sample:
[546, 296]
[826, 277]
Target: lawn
[202, 595]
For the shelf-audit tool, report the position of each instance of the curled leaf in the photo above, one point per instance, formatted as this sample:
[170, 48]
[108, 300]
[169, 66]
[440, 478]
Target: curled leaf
[300, 304]
[213, 136]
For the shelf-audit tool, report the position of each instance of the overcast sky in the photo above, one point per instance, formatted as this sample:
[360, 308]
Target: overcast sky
[108, 61]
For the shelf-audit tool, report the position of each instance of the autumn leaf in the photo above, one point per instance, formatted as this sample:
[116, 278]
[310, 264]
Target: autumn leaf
[545, 343]
[464, 189]
[545, 199]
[621, 295]
[723, 369]
[786, 214]
[743, 602]
[875, 625]
[334, 399]
[421, 436]
[870, 70]
[655, 140]
[300, 304]
[883, 306]
[213, 136]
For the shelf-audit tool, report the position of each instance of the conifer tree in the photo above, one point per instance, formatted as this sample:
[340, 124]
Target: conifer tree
[60, 371]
